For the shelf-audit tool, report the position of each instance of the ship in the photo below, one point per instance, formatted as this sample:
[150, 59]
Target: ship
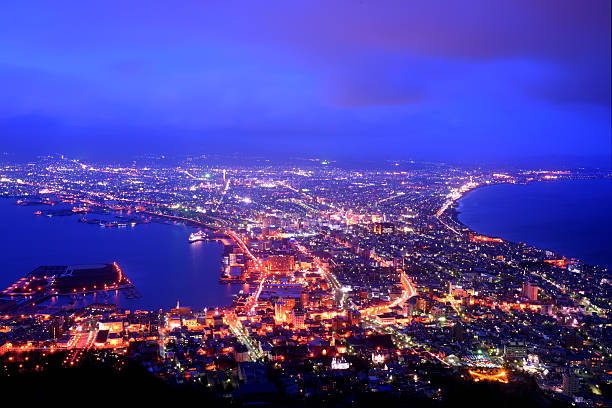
[197, 236]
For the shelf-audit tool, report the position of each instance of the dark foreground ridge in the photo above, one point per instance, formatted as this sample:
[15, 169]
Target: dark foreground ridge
[103, 376]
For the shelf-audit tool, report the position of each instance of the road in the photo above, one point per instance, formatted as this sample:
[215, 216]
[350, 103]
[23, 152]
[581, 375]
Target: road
[252, 300]
[408, 292]
[243, 337]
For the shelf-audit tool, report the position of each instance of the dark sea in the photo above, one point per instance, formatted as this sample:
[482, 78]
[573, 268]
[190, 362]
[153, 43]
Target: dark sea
[570, 217]
[157, 258]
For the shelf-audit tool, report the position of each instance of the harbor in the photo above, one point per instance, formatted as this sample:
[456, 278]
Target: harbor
[156, 255]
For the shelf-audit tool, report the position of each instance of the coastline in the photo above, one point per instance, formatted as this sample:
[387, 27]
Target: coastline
[145, 262]
[454, 212]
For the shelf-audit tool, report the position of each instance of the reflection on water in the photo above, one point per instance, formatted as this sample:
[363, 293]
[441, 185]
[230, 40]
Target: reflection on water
[157, 258]
[87, 299]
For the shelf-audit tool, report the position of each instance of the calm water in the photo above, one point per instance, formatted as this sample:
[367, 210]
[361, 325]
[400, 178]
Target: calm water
[157, 258]
[572, 218]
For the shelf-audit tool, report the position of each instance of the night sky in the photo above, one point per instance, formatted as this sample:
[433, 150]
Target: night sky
[443, 80]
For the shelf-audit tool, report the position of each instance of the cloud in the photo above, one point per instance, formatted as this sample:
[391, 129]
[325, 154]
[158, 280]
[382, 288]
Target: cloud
[386, 76]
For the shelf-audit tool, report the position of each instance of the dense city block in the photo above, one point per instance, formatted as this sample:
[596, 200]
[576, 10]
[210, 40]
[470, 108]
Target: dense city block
[362, 286]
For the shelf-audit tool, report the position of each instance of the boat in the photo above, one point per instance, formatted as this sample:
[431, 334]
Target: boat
[197, 236]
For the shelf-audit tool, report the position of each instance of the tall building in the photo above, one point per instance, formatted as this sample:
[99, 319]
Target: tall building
[279, 312]
[280, 263]
[515, 351]
[270, 221]
[282, 308]
[55, 329]
[298, 318]
[571, 384]
[423, 304]
[384, 228]
[304, 299]
[338, 324]
[530, 291]
[354, 317]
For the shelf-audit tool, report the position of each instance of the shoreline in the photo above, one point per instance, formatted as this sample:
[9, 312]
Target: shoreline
[27, 211]
[453, 214]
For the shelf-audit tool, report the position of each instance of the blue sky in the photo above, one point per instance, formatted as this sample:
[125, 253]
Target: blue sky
[451, 80]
